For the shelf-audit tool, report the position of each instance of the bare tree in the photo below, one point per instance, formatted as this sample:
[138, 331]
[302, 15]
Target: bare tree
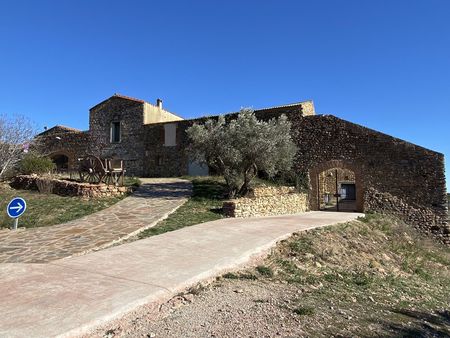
[16, 137]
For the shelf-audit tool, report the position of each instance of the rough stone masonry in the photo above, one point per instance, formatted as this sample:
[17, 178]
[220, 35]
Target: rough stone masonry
[153, 143]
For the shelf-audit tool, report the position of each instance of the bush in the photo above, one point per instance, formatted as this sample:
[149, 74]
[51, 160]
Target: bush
[132, 182]
[264, 270]
[304, 311]
[34, 164]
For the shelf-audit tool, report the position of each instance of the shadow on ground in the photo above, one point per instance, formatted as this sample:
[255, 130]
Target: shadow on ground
[164, 190]
[420, 324]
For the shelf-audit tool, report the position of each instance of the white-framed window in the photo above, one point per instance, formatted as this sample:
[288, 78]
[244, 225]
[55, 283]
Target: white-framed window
[115, 132]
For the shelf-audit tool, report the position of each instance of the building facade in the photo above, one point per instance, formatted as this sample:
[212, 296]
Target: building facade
[372, 165]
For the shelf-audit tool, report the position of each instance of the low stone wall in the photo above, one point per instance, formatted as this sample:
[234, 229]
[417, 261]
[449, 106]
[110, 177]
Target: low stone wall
[67, 188]
[424, 219]
[267, 201]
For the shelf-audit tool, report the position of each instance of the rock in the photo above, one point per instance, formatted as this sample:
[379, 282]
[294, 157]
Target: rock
[239, 291]
[189, 297]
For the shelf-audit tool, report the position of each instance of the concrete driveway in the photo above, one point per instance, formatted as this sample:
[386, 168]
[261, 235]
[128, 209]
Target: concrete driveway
[71, 296]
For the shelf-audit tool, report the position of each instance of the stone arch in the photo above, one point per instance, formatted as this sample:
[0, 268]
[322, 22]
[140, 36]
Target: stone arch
[314, 172]
[62, 160]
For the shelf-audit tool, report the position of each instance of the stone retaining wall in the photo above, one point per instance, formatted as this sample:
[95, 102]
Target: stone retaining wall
[67, 188]
[267, 201]
[424, 219]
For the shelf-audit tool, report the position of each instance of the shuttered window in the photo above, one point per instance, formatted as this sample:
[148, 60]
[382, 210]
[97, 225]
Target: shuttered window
[115, 132]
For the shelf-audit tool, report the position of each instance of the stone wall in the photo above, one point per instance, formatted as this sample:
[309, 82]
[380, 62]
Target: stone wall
[379, 161]
[424, 219]
[67, 188]
[162, 161]
[267, 201]
[130, 114]
[71, 144]
[325, 142]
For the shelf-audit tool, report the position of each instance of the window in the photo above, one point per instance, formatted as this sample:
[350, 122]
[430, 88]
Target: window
[170, 134]
[115, 132]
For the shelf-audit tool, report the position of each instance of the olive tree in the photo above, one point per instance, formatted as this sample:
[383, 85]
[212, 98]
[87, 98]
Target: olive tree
[239, 149]
[16, 134]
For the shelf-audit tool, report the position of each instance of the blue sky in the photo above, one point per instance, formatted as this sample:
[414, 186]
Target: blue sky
[382, 64]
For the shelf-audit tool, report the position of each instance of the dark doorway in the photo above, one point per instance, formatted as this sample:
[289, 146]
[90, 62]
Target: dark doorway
[348, 191]
[61, 162]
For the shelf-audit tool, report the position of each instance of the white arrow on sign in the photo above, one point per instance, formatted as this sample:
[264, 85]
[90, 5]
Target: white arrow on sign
[18, 207]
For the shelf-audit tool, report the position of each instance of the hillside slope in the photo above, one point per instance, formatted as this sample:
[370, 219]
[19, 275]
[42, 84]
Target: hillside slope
[367, 278]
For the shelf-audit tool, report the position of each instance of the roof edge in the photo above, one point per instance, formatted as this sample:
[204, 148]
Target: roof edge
[118, 96]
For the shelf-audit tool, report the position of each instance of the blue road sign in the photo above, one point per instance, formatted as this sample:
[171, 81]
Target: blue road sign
[16, 207]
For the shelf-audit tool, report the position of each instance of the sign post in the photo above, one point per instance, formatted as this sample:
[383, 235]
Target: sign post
[15, 209]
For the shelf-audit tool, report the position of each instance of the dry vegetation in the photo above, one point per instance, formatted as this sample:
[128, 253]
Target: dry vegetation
[368, 278]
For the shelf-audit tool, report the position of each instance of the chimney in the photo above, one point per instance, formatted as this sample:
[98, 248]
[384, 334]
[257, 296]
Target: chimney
[159, 103]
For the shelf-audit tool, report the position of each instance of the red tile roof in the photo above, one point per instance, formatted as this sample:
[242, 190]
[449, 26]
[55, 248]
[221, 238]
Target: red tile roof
[128, 98]
[60, 129]
[299, 104]
[121, 97]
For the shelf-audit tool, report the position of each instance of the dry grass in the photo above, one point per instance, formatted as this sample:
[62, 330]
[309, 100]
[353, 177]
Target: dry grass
[377, 271]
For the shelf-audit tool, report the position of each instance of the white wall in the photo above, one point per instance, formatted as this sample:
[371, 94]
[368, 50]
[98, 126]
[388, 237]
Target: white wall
[154, 114]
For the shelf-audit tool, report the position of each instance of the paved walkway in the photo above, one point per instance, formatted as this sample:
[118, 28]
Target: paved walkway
[72, 296]
[154, 200]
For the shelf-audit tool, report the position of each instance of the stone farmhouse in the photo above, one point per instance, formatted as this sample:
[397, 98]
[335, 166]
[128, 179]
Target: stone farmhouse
[360, 167]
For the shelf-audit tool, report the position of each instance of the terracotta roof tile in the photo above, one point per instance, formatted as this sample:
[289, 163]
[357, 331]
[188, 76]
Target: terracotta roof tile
[128, 98]
[119, 96]
[284, 106]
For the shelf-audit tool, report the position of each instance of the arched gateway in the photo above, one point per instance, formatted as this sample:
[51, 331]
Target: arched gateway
[336, 186]
[61, 161]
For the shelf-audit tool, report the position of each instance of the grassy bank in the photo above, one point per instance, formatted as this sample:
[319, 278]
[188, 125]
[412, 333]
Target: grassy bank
[49, 209]
[367, 278]
[374, 277]
[204, 205]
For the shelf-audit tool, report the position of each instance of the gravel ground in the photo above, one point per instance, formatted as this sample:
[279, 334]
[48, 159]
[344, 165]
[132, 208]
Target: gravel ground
[228, 308]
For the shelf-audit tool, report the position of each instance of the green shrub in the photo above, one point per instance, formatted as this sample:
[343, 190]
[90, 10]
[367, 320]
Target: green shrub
[304, 311]
[264, 270]
[362, 279]
[34, 164]
[132, 182]
[230, 275]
